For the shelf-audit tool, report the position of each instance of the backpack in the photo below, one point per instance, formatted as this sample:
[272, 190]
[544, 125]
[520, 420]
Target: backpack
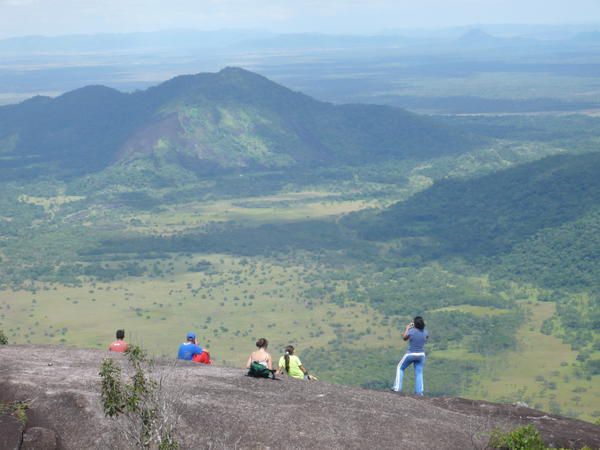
[257, 370]
[202, 358]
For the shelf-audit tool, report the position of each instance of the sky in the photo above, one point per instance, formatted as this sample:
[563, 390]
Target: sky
[56, 17]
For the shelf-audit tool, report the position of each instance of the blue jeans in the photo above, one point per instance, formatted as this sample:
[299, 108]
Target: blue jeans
[418, 359]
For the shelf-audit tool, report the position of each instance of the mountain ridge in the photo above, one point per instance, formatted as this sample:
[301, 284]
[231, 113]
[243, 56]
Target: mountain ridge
[230, 119]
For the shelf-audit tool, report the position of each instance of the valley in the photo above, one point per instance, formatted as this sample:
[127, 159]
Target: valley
[334, 250]
[314, 299]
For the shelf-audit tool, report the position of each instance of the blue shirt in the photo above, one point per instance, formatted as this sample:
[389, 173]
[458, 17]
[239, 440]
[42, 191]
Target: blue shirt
[187, 350]
[416, 340]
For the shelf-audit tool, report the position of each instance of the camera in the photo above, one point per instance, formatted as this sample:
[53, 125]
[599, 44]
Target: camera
[411, 325]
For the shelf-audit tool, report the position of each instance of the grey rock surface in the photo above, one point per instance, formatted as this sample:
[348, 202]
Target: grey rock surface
[222, 408]
[11, 432]
[38, 438]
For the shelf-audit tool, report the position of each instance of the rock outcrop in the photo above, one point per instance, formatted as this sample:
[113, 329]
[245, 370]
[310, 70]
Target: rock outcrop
[222, 408]
[11, 432]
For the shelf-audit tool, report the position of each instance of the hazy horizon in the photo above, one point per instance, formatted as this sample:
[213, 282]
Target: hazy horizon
[64, 17]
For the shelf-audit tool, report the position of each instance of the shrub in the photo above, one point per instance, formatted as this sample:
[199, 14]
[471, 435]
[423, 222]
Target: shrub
[146, 415]
[522, 438]
[3, 338]
[112, 392]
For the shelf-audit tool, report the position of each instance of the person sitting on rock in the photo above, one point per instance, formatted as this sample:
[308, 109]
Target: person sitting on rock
[291, 364]
[260, 356]
[416, 335]
[119, 345]
[189, 348]
[260, 364]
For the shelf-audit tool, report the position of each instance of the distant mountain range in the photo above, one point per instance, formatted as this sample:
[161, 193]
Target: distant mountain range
[479, 38]
[254, 39]
[211, 122]
[154, 40]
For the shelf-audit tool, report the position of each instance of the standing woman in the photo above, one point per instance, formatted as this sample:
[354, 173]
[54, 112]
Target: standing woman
[416, 335]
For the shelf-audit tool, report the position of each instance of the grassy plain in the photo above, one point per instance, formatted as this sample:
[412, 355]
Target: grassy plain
[473, 309]
[541, 372]
[498, 85]
[229, 307]
[239, 300]
[286, 207]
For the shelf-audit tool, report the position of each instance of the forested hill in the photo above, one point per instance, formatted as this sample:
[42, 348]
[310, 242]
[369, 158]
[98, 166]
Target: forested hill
[546, 211]
[209, 122]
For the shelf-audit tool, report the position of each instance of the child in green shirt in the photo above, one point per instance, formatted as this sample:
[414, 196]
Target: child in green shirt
[291, 364]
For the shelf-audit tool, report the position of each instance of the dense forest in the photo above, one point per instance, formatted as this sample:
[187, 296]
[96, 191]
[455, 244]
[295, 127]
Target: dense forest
[491, 214]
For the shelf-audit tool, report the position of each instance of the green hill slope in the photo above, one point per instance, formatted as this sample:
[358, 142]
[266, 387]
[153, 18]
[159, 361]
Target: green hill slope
[492, 214]
[209, 122]
[536, 222]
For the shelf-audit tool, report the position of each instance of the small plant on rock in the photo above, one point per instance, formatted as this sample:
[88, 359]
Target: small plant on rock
[17, 408]
[150, 417]
[522, 438]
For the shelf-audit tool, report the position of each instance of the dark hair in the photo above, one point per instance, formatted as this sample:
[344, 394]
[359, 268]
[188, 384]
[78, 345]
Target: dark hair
[419, 323]
[120, 334]
[289, 350]
[262, 343]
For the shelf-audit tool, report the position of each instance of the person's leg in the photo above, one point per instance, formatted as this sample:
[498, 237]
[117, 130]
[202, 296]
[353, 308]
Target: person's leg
[400, 374]
[419, 365]
[406, 361]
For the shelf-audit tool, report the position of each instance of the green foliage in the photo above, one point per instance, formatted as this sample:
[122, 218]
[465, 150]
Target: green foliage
[17, 408]
[547, 327]
[536, 222]
[3, 338]
[168, 442]
[564, 257]
[141, 385]
[265, 239]
[579, 319]
[522, 438]
[112, 390]
[376, 368]
[593, 366]
[433, 292]
[138, 400]
[491, 214]
[20, 411]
